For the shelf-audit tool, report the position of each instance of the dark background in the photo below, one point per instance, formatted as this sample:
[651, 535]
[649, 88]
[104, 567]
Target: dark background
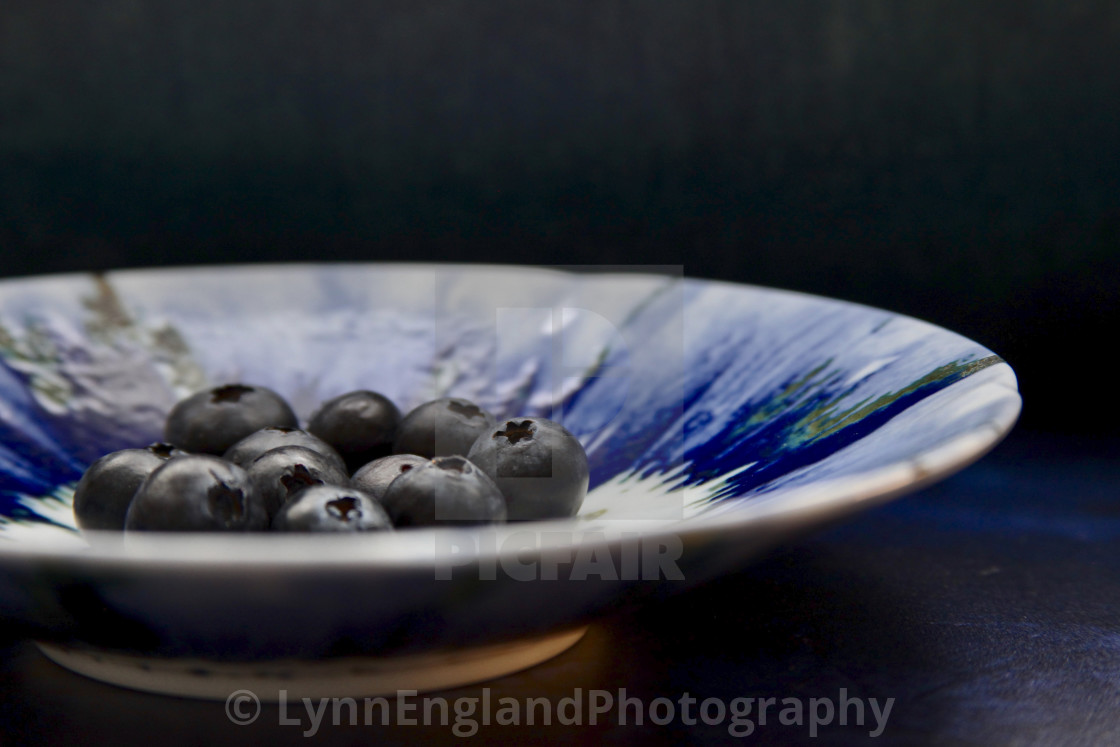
[956, 161]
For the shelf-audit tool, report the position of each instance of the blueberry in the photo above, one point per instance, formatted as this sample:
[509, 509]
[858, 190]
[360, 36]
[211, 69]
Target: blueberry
[329, 508]
[446, 490]
[442, 427]
[539, 466]
[105, 491]
[279, 474]
[252, 446]
[361, 425]
[375, 477]
[196, 493]
[212, 421]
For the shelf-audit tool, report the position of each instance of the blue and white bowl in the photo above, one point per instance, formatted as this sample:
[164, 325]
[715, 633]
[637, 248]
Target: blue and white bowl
[719, 420]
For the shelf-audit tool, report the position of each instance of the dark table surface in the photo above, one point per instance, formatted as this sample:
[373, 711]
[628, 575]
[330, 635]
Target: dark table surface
[983, 610]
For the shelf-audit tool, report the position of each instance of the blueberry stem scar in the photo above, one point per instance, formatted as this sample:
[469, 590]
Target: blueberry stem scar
[299, 478]
[226, 502]
[160, 449]
[517, 431]
[467, 410]
[343, 507]
[453, 463]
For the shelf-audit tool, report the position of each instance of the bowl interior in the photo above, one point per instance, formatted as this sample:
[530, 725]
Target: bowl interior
[694, 399]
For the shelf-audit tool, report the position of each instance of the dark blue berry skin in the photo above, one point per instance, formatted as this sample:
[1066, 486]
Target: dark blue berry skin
[279, 474]
[445, 491]
[212, 421]
[245, 451]
[329, 508]
[374, 478]
[196, 493]
[442, 427]
[539, 466]
[102, 496]
[360, 425]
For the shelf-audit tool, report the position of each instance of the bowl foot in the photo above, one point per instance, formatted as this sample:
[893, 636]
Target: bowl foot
[271, 681]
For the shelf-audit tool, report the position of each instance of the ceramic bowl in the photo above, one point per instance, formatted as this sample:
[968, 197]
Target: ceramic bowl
[719, 420]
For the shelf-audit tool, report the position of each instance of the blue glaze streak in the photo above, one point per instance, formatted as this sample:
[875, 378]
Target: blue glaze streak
[778, 445]
[774, 447]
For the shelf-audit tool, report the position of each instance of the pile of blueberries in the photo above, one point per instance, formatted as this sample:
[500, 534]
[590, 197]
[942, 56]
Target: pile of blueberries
[235, 459]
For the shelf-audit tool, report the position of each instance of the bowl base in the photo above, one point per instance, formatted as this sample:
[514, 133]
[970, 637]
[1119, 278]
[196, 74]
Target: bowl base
[293, 680]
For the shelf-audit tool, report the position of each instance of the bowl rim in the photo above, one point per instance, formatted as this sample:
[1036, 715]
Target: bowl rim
[810, 505]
